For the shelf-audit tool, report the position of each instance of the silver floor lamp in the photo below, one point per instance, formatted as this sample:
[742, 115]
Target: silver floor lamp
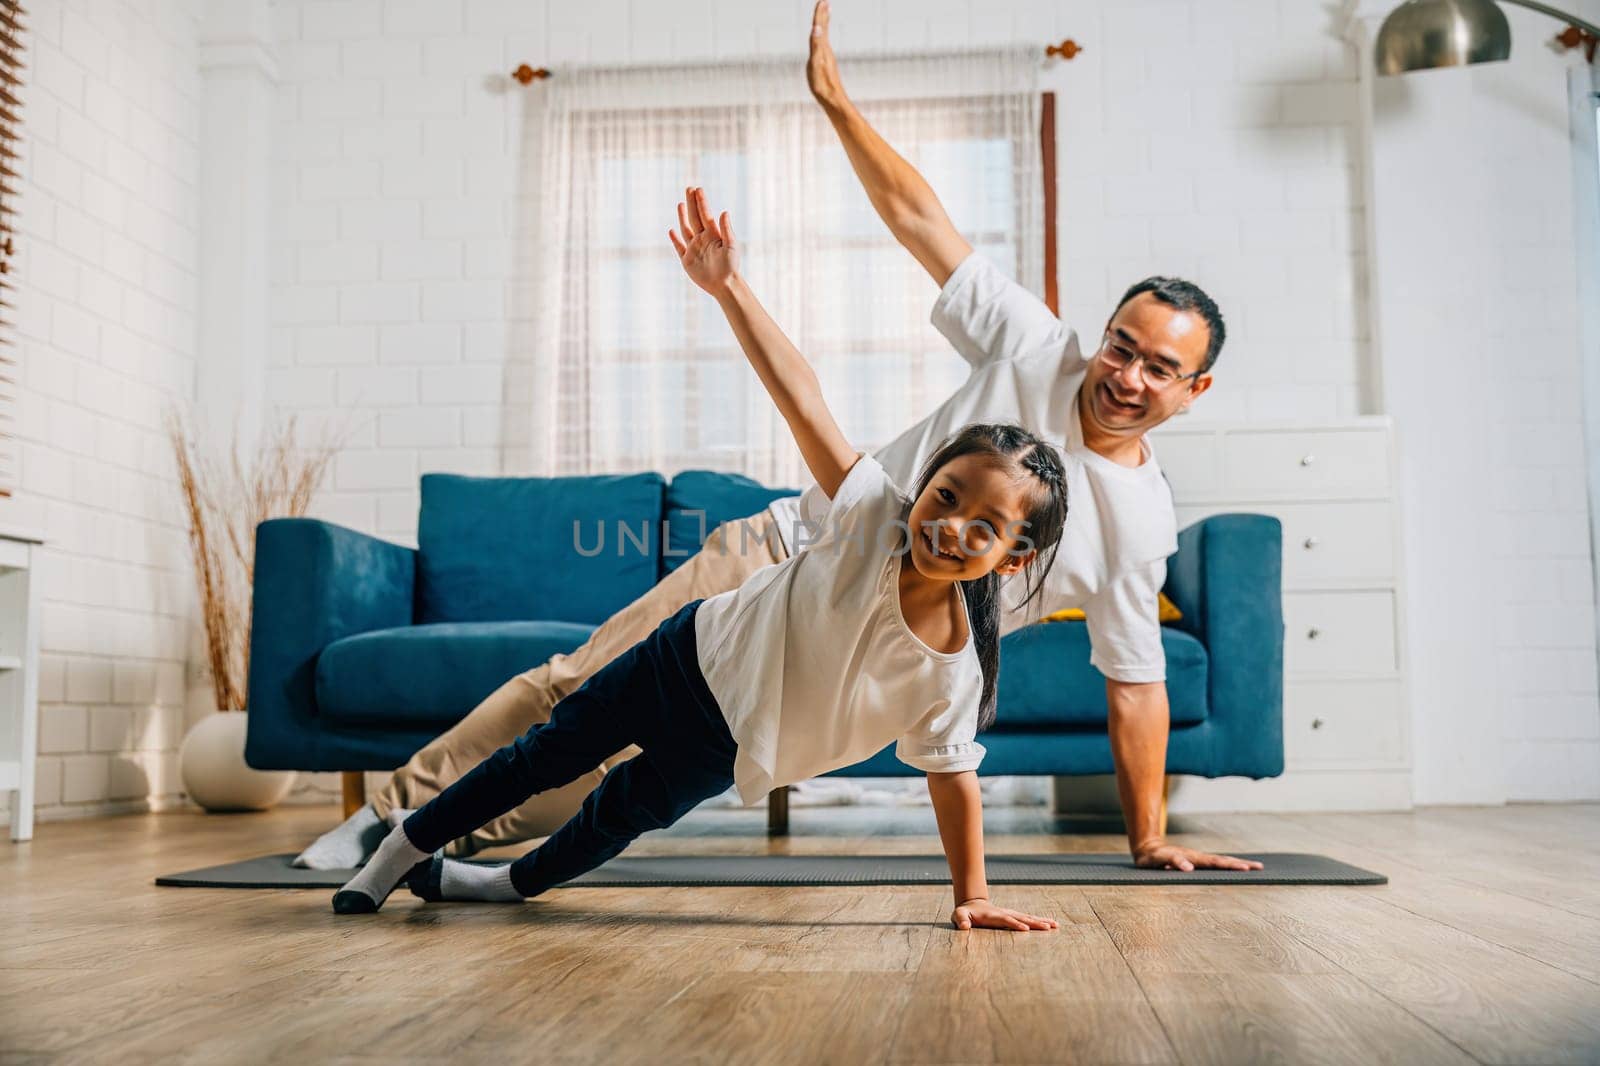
[1424, 34]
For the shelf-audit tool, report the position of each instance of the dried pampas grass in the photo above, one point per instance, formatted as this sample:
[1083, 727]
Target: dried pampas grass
[225, 502]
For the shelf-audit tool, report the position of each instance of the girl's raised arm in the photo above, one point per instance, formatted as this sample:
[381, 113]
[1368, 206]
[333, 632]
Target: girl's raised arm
[710, 257]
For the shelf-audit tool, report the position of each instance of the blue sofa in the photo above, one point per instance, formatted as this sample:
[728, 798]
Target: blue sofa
[362, 651]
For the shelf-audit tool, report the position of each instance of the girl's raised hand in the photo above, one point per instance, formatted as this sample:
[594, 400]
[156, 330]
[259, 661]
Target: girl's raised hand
[704, 244]
[981, 914]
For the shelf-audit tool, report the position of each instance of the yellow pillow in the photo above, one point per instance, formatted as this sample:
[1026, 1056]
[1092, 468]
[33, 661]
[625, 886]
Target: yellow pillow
[1167, 611]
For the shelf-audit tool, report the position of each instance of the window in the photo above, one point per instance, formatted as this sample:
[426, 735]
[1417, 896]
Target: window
[643, 372]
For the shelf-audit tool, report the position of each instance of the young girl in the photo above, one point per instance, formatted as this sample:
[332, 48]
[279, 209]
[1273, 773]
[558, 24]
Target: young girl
[812, 664]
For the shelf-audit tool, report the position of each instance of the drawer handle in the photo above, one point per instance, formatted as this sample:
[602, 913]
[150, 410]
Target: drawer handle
[1316, 723]
[1313, 633]
[1311, 542]
[1307, 460]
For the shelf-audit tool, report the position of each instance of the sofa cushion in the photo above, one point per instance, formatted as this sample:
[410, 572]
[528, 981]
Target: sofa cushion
[506, 549]
[431, 674]
[1046, 680]
[699, 501]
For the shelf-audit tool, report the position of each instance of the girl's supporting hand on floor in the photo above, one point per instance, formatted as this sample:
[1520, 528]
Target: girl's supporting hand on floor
[981, 914]
[958, 808]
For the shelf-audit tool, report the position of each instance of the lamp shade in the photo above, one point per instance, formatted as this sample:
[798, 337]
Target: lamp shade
[1423, 34]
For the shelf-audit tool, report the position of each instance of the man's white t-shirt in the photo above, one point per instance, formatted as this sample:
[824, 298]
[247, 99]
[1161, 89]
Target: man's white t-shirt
[814, 666]
[1027, 367]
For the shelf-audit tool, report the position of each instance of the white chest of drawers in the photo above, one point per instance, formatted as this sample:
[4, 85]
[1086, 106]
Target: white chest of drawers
[1332, 485]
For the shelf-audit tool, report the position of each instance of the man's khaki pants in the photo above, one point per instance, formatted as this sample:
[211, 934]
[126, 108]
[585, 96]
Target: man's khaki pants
[733, 552]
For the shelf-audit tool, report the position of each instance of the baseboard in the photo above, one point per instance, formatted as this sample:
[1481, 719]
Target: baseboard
[1296, 790]
[110, 808]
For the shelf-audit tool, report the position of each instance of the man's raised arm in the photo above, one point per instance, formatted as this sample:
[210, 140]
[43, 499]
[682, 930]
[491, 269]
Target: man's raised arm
[901, 197]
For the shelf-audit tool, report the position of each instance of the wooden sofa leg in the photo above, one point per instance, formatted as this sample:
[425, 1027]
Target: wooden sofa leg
[778, 812]
[354, 786]
[1166, 791]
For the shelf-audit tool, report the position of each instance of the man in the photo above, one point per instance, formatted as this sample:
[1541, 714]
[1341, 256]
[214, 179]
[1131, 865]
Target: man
[1152, 362]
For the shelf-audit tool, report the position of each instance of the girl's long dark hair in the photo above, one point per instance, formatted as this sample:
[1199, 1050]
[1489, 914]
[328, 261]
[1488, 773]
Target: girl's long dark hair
[1014, 447]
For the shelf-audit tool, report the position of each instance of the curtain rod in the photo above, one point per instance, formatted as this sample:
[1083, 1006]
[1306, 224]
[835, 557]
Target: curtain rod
[525, 74]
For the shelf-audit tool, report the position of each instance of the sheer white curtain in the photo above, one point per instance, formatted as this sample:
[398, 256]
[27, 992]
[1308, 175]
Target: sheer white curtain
[618, 364]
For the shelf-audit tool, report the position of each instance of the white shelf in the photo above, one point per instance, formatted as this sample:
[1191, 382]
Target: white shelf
[19, 669]
[1333, 487]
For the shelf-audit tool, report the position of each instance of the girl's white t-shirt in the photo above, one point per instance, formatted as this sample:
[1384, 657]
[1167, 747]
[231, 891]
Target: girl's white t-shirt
[1028, 367]
[814, 665]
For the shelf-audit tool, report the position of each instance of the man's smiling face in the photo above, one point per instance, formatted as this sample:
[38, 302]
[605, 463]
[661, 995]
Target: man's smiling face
[1124, 402]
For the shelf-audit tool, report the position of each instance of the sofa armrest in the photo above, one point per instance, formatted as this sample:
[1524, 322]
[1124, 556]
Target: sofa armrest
[1227, 579]
[315, 583]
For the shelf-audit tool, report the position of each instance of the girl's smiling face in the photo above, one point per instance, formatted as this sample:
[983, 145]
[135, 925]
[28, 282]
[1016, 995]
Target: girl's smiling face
[971, 519]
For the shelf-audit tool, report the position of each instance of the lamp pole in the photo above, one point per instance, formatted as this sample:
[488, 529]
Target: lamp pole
[1546, 9]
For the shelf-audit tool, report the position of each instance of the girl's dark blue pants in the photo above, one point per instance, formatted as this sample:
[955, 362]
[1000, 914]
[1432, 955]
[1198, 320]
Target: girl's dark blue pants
[652, 695]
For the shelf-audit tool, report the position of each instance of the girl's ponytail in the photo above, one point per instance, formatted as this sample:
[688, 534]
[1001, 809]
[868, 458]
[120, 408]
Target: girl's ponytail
[1016, 446]
[983, 614]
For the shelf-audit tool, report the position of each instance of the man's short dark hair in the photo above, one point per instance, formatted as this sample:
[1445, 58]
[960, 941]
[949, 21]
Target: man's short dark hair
[1185, 296]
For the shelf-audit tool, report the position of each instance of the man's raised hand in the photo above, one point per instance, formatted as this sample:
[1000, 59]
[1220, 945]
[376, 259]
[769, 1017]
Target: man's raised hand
[822, 69]
[704, 244]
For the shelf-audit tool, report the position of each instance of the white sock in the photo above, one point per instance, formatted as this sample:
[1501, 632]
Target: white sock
[397, 815]
[451, 879]
[366, 891]
[346, 846]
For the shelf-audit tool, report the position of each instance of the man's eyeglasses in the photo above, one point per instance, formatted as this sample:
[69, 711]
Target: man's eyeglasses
[1157, 376]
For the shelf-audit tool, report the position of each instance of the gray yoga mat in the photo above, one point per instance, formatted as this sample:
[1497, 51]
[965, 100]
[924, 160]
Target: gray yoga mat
[666, 871]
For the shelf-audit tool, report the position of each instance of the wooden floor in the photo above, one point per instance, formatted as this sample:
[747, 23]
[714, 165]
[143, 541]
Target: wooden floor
[1485, 946]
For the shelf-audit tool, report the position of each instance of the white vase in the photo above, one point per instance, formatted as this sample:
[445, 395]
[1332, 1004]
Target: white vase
[215, 774]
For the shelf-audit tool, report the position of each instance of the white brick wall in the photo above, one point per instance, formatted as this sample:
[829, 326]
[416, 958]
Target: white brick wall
[1479, 338]
[1537, 513]
[107, 319]
[1217, 141]
[1211, 139]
